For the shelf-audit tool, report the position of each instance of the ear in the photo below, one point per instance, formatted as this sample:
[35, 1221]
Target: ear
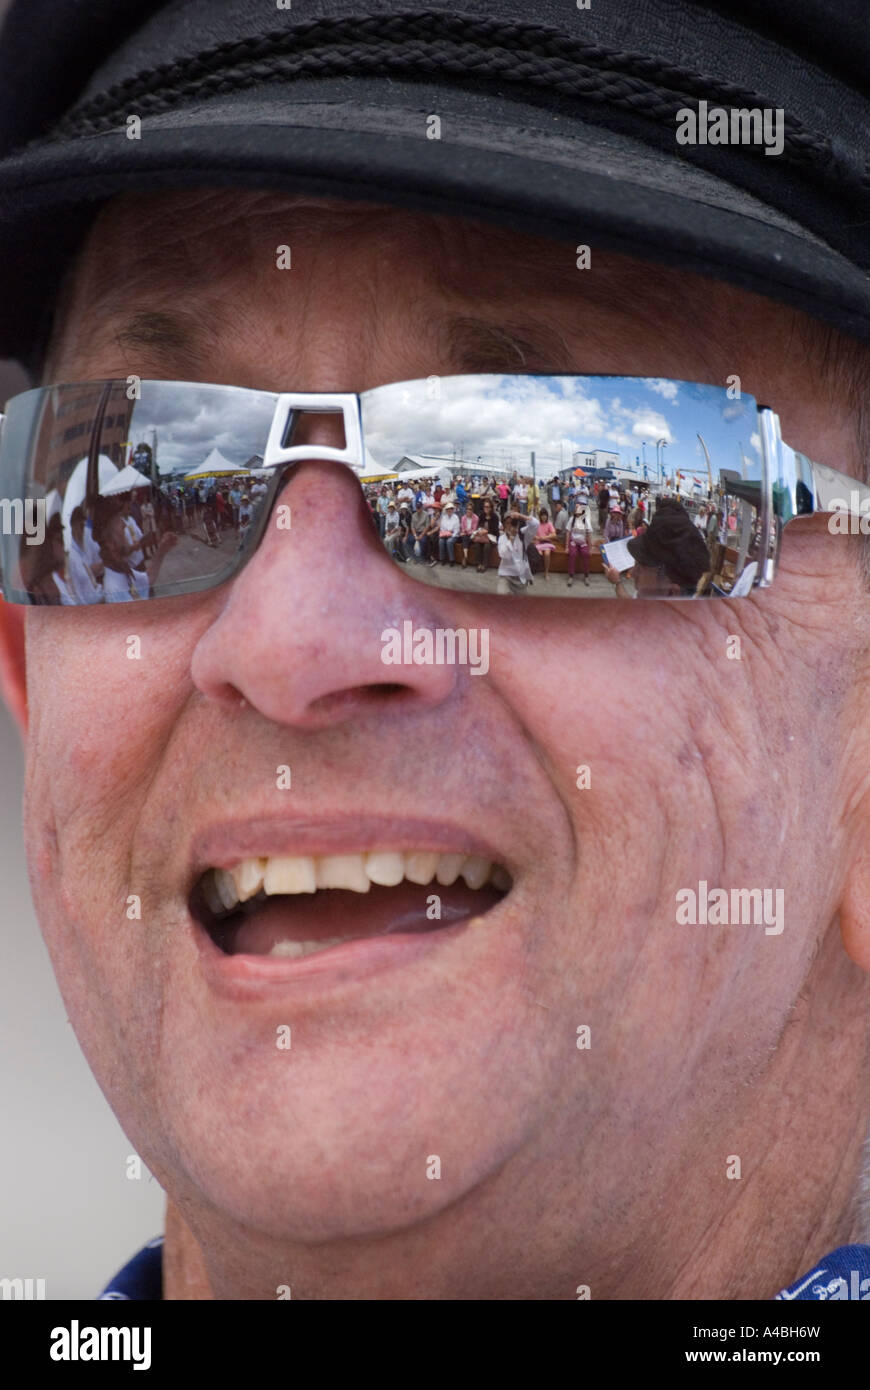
[13, 680]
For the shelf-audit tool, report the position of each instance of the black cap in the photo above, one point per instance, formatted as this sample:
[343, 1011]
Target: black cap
[552, 119]
[673, 543]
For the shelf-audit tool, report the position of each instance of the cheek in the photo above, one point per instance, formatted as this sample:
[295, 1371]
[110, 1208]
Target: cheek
[675, 762]
[103, 709]
[101, 725]
[612, 685]
[102, 698]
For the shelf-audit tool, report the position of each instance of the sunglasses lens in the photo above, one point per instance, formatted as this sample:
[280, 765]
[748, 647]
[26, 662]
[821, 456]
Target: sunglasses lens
[126, 491]
[556, 486]
[552, 469]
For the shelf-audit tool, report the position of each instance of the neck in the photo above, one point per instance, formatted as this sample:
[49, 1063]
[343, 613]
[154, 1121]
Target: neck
[185, 1276]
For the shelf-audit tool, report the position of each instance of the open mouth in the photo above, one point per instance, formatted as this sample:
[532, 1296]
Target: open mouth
[297, 905]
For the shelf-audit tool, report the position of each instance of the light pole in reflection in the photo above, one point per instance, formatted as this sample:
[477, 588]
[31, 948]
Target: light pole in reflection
[661, 444]
[709, 466]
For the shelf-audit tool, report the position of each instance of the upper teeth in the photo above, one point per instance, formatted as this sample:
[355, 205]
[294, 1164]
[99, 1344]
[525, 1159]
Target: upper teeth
[224, 889]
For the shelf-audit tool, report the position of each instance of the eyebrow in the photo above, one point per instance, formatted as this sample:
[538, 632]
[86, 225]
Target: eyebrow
[179, 340]
[479, 345]
[174, 341]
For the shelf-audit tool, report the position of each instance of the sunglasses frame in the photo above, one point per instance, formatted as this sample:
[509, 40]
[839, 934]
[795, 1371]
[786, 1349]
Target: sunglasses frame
[792, 485]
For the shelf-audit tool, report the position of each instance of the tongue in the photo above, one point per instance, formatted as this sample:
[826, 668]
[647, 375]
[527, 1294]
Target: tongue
[334, 912]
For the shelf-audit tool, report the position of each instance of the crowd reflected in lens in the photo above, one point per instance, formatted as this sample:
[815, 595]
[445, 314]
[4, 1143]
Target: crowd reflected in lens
[605, 538]
[119, 548]
[474, 532]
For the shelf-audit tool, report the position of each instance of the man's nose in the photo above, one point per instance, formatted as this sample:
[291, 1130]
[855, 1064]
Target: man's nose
[305, 624]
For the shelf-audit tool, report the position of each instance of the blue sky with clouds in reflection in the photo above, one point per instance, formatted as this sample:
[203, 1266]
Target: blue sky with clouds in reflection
[500, 419]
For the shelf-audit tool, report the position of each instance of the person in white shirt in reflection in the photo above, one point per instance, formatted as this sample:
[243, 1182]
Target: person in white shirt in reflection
[132, 532]
[448, 533]
[514, 571]
[122, 581]
[84, 572]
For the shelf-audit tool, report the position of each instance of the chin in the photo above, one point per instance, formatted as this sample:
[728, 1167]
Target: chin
[356, 1146]
[294, 1198]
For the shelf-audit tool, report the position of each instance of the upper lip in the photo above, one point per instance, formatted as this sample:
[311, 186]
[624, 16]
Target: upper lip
[224, 844]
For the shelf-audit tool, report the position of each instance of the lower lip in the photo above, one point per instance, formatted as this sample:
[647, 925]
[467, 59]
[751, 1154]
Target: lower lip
[246, 976]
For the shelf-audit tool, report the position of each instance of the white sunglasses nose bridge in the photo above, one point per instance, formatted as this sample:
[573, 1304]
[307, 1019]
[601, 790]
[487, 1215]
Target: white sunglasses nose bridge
[290, 403]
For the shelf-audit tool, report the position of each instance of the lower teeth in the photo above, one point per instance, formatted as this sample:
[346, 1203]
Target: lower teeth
[305, 948]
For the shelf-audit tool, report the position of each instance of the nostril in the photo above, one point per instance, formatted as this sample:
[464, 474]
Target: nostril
[359, 696]
[383, 688]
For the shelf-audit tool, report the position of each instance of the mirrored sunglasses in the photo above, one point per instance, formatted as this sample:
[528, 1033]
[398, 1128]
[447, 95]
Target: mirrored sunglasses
[533, 485]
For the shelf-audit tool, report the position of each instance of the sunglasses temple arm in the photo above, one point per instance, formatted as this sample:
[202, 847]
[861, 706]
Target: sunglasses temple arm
[775, 462]
[802, 487]
[838, 492]
[799, 487]
[2, 595]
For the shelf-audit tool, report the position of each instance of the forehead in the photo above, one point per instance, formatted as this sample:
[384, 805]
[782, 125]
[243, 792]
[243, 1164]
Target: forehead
[213, 234]
[174, 277]
[186, 259]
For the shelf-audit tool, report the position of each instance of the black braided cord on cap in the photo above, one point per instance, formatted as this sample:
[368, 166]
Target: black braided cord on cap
[462, 47]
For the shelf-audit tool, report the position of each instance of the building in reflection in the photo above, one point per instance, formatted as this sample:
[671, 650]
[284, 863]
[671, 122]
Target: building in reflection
[593, 459]
[65, 426]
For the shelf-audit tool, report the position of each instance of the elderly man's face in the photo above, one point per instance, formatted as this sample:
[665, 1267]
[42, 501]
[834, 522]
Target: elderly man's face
[602, 1164]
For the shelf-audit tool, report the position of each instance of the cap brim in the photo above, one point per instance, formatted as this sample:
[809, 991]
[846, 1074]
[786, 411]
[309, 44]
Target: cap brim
[499, 161]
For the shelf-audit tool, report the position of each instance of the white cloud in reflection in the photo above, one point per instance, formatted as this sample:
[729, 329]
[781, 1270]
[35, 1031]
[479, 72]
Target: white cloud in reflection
[669, 389]
[500, 419]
